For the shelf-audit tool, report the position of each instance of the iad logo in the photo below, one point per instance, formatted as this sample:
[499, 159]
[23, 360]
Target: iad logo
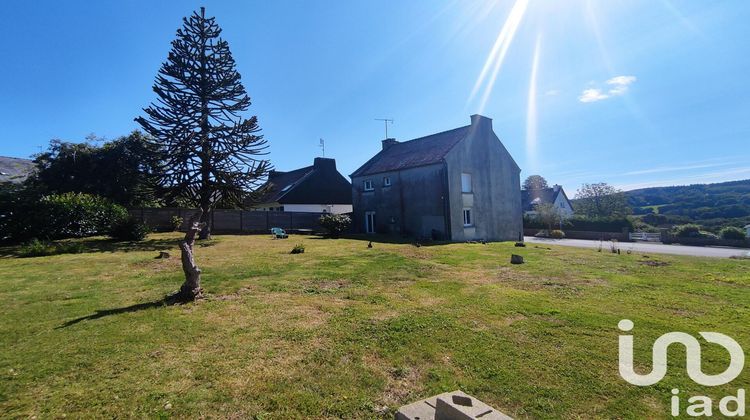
[701, 405]
[693, 350]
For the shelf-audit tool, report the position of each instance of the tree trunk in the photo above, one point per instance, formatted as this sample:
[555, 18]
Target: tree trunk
[191, 289]
[205, 220]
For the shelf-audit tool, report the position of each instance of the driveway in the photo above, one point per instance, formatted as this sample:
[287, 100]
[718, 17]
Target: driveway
[648, 247]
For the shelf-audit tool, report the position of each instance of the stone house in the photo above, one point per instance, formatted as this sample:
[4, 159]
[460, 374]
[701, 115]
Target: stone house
[461, 184]
[319, 188]
[555, 196]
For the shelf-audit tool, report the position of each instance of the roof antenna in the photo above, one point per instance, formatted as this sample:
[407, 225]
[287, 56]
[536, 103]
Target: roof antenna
[322, 145]
[385, 121]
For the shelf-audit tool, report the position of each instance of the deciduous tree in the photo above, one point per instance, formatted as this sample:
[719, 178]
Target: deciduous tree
[535, 182]
[601, 200]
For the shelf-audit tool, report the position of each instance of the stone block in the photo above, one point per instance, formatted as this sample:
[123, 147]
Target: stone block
[454, 405]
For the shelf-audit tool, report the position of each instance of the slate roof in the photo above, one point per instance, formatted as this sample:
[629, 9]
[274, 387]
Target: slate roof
[15, 170]
[530, 198]
[418, 152]
[320, 183]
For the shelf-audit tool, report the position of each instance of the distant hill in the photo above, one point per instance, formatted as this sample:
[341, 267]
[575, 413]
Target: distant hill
[15, 170]
[712, 205]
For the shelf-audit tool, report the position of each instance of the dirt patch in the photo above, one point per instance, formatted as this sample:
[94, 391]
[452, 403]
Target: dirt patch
[402, 382]
[653, 263]
[510, 320]
[324, 286]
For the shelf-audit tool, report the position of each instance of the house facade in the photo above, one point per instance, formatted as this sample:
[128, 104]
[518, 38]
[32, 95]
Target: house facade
[319, 188]
[555, 196]
[458, 185]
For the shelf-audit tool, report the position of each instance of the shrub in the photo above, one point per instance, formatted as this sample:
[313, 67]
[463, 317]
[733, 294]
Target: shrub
[298, 249]
[72, 215]
[583, 223]
[335, 224]
[128, 229]
[689, 230]
[37, 248]
[557, 234]
[733, 233]
[176, 223]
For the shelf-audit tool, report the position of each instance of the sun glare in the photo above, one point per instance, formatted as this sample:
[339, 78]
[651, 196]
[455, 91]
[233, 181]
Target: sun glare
[497, 54]
[531, 116]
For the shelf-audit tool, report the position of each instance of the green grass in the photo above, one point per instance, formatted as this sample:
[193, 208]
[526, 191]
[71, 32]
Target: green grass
[347, 331]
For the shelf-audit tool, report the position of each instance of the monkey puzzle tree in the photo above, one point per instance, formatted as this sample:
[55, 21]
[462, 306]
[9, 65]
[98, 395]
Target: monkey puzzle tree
[209, 152]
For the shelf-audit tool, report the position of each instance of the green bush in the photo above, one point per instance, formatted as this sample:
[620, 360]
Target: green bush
[298, 249]
[129, 229]
[690, 230]
[37, 248]
[74, 215]
[335, 224]
[176, 223]
[582, 223]
[733, 233]
[557, 234]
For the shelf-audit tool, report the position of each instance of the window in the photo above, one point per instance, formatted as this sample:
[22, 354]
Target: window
[387, 181]
[465, 183]
[370, 222]
[467, 218]
[562, 205]
[368, 185]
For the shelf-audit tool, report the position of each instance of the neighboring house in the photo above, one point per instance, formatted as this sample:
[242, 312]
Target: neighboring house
[15, 170]
[555, 196]
[319, 188]
[460, 184]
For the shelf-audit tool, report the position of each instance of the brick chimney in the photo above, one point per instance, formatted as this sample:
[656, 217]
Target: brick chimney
[388, 143]
[480, 120]
[324, 164]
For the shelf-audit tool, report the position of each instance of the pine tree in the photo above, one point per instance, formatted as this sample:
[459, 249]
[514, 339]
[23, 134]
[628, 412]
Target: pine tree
[210, 153]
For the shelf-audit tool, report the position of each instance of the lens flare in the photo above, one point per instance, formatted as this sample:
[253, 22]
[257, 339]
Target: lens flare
[531, 114]
[497, 54]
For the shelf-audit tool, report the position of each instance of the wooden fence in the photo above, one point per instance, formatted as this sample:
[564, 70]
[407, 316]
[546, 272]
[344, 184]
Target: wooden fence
[231, 221]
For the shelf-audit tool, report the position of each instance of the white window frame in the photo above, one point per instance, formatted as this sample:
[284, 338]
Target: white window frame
[386, 181]
[369, 222]
[470, 218]
[368, 185]
[466, 186]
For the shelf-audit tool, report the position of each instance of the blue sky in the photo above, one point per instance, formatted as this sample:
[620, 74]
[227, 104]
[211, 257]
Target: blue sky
[634, 93]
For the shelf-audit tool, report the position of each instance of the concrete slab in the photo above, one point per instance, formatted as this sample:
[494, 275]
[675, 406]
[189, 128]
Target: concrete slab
[453, 405]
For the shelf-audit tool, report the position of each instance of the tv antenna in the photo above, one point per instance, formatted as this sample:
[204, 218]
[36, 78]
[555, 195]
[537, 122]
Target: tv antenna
[322, 145]
[385, 121]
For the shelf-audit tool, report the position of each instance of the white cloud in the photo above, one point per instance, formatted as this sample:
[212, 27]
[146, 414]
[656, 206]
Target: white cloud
[621, 80]
[618, 86]
[592, 95]
[552, 92]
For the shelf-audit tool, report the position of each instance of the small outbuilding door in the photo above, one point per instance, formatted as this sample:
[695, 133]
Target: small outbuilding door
[370, 221]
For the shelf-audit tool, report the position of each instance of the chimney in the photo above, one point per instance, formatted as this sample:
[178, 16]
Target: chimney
[480, 120]
[324, 164]
[556, 188]
[388, 143]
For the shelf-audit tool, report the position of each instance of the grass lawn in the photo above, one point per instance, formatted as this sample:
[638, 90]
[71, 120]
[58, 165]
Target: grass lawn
[347, 331]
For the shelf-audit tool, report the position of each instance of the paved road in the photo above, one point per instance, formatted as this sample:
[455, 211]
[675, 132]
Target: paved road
[646, 247]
